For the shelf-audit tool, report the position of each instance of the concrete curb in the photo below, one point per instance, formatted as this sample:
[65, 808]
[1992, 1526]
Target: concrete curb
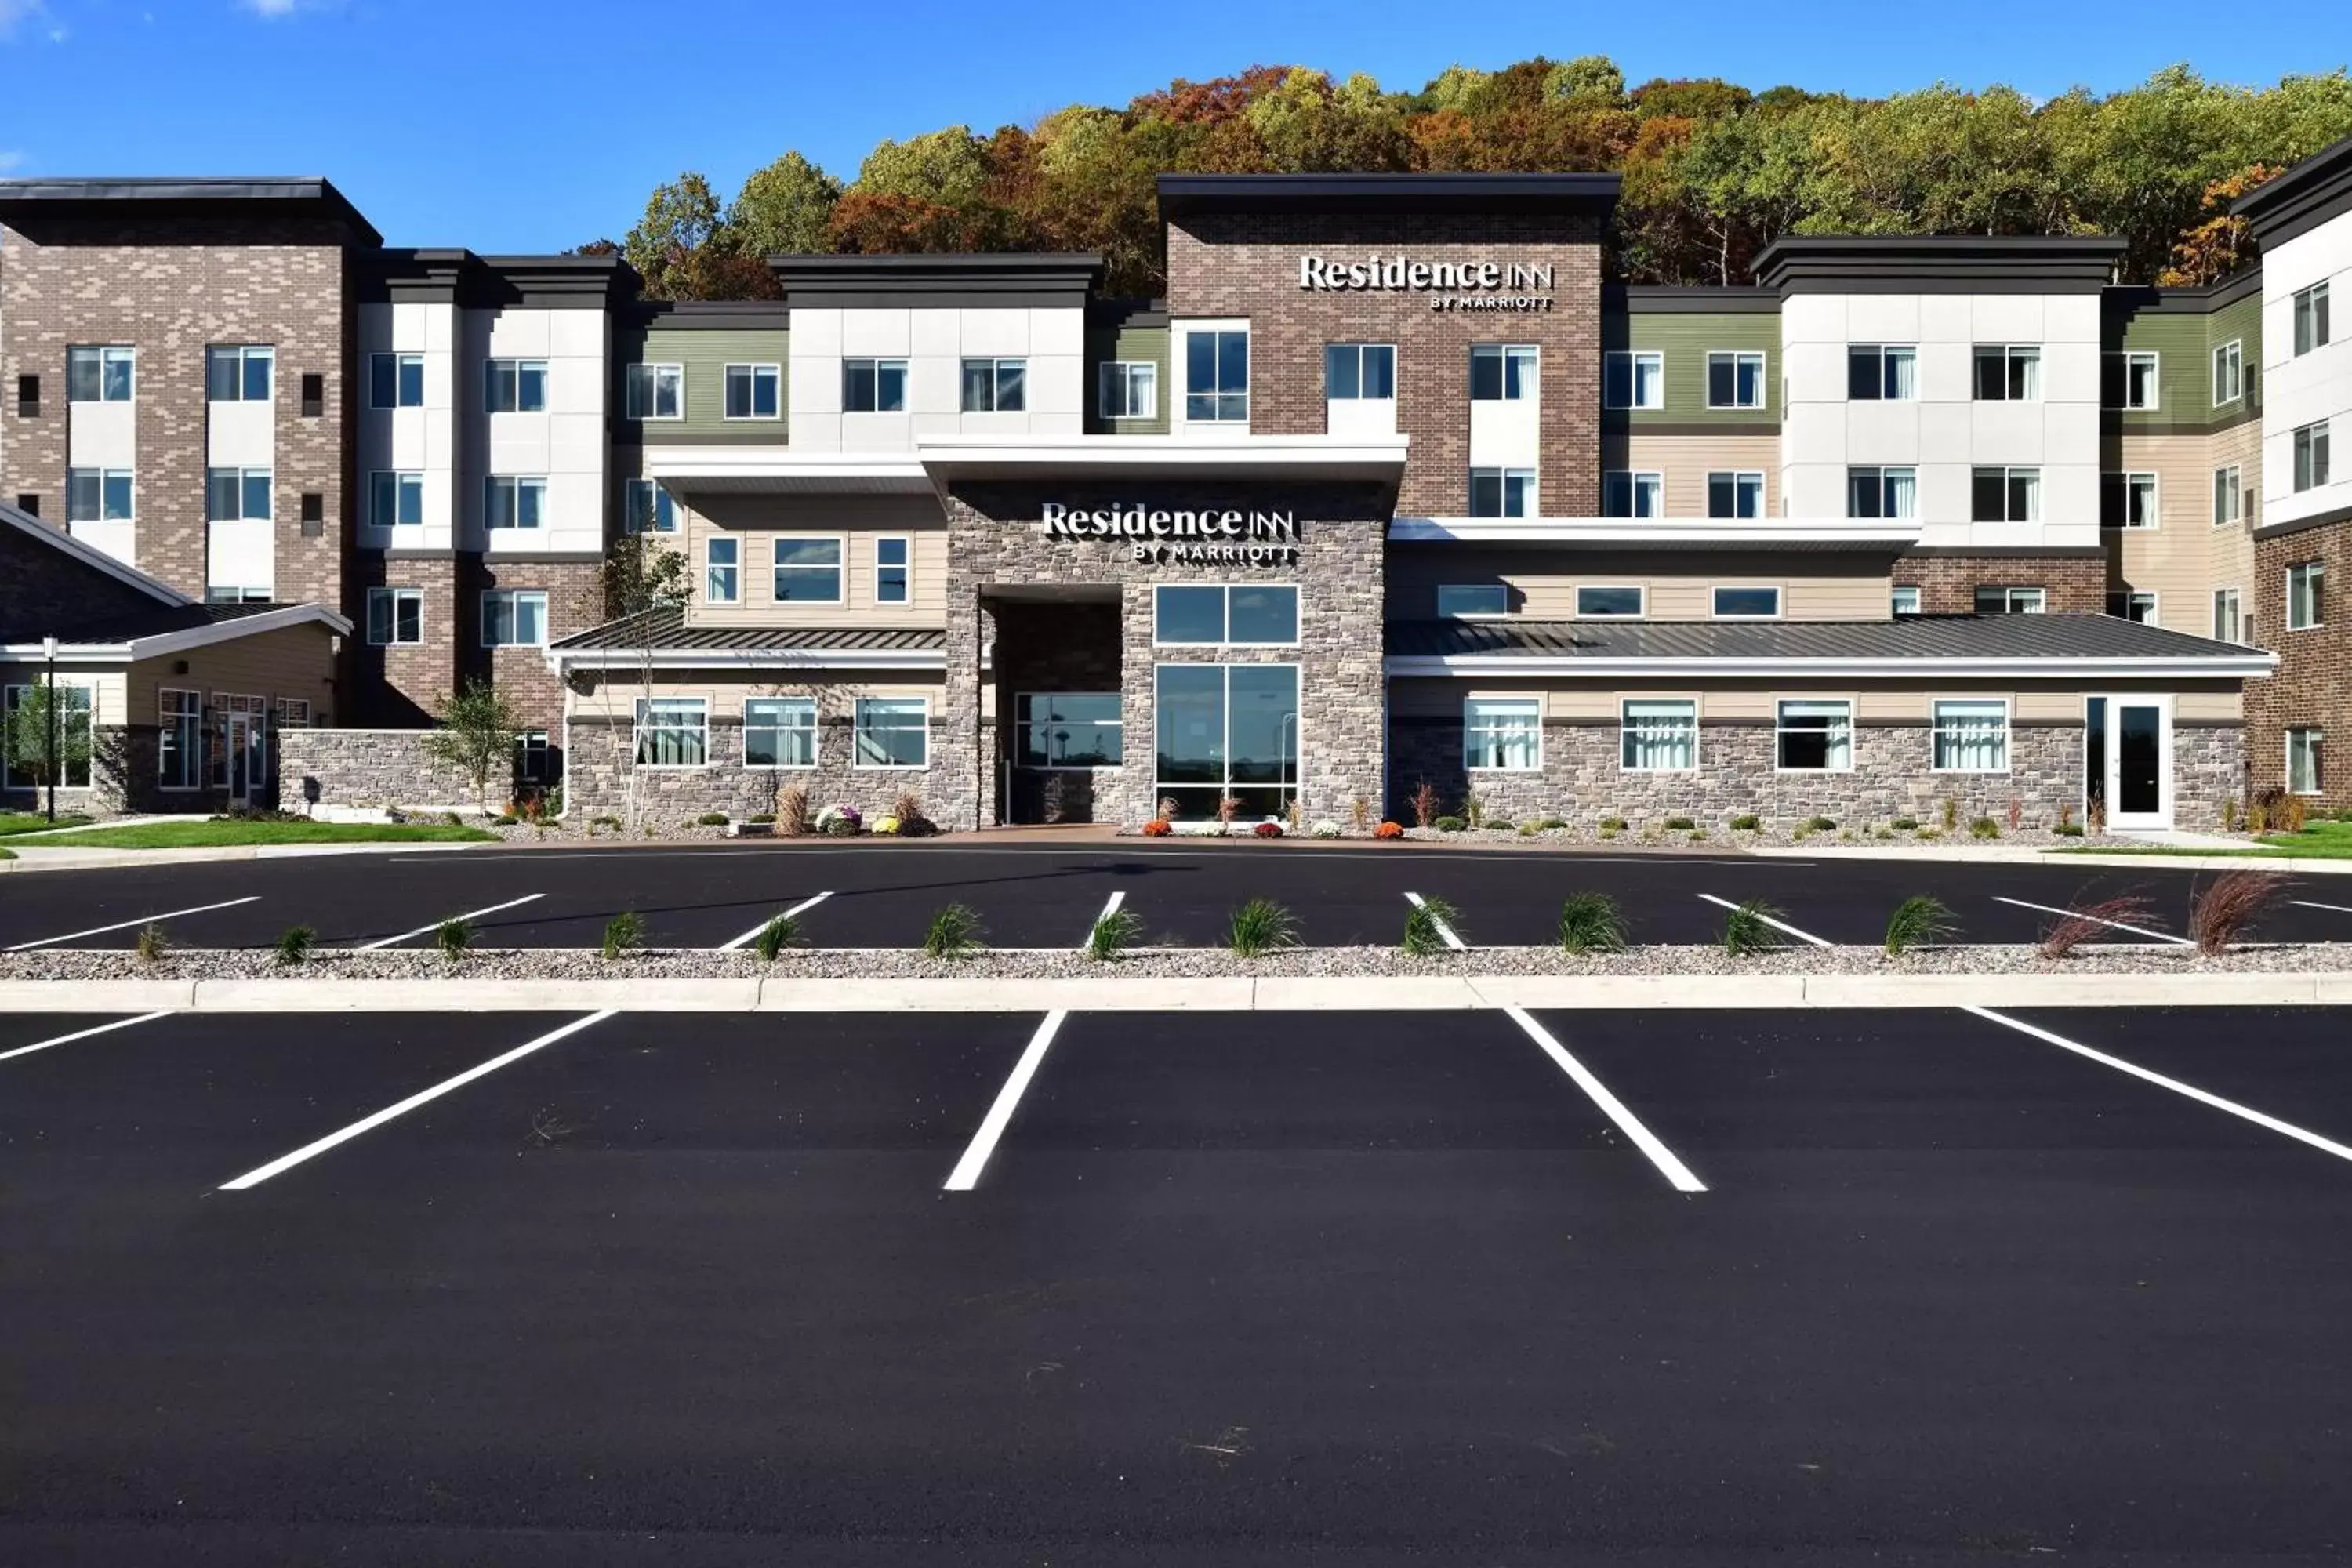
[40, 858]
[1997, 856]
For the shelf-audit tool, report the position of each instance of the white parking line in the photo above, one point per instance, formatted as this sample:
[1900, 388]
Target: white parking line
[125, 925]
[966, 1175]
[1775, 925]
[437, 925]
[1661, 1156]
[1452, 941]
[81, 1035]
[800, 909]
[2118, 925]
[253, 1178]
[2307, 903]
[2327, 1145]
[1110, 908]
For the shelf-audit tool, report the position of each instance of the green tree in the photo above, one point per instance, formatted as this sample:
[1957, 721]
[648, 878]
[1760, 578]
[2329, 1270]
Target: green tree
[783, 209]
[1587, 79]
[63, 760]
[478, 734]
[680, 219]
[947, 167]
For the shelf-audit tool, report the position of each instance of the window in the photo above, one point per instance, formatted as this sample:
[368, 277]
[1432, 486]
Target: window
[238, 374]
[2311, 464]
[873, 386]
[1882, 492]
[1502, 492]
[1881, 373]
[1227, 730]
[98, 495]
[995, 385]
[1129, 389]
[1735, 379]
[722, 577]
[235, 594]
[1624, 494]
[101, 374]
[395, 381]
[2229, 497]
[651, 392]
[2305, 751]
[28, 757]
[1657, 736]
[1596, 602]
[2129, 380]
[1747, 604]
[512, 501]
[780, 732]
[647, 507]
[1359, 371]
[534, 758]
[893, 732]
[1906, 601]
[1735, 495]
[1998, 601]
[2126, 501]
[179, 739]
[1971, 736]
[519, 386]
[514, 617]
[1068, 730]
[293, 713]
[2306, 593]
[395, 616]
[1503, 372]
[807, 572]
[2133, 604]
[2227, 626]
[396, 500]
[2311, 327]
[754, 391]
[1455, 600]
[1212, 614]
[2005, 495]
[1502, 735]
[673, 733]
[1633, 379]
[892, 567]
[1813, 736]
[2007, 372]
[1216, 376]
[231, 494]
[2228, 372]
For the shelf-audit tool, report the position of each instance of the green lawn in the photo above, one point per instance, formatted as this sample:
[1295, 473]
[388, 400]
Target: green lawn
[2318, 841]
[206, 834]
[15, 822]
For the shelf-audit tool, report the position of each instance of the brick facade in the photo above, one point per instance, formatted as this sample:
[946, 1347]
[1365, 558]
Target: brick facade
[2075, 584]
[2313, 686]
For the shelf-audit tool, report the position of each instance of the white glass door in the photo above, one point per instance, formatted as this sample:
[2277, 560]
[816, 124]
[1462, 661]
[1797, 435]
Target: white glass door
[2128, 742]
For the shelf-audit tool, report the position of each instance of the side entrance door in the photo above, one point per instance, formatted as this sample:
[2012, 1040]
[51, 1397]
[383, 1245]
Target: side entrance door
[2129, 746]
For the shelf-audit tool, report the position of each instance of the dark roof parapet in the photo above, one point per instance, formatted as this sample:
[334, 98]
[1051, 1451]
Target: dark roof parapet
[27, 205]
[1939, 264]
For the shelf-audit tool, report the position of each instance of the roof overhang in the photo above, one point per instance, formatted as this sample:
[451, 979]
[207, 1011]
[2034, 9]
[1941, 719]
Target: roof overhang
[559, 660]
[2007, 667]
[776, 470]
[1821, 534]
[1163, 457]
[136, 650]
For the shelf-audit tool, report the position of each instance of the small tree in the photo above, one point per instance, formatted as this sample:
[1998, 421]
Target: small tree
[46, 717]
[478, 730]
[642, 577]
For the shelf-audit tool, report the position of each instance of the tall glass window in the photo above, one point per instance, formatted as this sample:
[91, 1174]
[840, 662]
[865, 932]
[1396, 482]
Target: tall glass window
[179, 739]
[1216, 376]
[1068, 730]
[1226, 729]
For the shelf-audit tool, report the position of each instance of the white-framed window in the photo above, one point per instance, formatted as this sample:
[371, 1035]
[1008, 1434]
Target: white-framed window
[239, 373]
[395, 616]
[519, 386]
[1657, 734]
[1502, 735]
[995, 385]
[2005, 495]
[1735, 495]
[780, 732]
[1735, 378]
[2007, 372]
[647, 507]
[2133, 604]
[1970, 735]
[1611, 601]
[653, 391]
[98, 495]
[395, 499]
[293, 713]
[2131, 381]
[232, 495]
[1993, 600]
[722, 570]
[2306, 595]
[2312, 467]
[514, 617]
[2229, 626]
[1812, 735]
[1502, 373]
[2128, 501]
[1625, 493]
[1224, 615]
[1502, 492]
[1633, 378]
[96, 373]
[1216, 375]
[2229, 497]
[894, 569]
[179, 739]
[1882, 492]
[673, 733]
[77, 732]
[1057, 730]
[1128, 389]
[1881, 373]
[236, 594]
[395, 381]
[2306, 756]
[2228, 372]
[1457, 601]
[807, 572]
[1904, 601]
[753, 392]
[1359, 372]
[873, 386]
[891, 732]
[2312, 329]
[514, 501]
[534, 757]
[1747, 604]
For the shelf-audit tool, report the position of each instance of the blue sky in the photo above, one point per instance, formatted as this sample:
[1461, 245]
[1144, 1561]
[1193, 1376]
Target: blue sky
[522, 125]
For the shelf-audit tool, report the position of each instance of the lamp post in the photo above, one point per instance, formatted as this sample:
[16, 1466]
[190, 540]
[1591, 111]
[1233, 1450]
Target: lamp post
[49, 655]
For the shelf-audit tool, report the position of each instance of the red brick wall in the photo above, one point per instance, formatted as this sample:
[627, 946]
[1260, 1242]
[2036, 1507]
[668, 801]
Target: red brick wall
[2075, 584]
[2314, 683]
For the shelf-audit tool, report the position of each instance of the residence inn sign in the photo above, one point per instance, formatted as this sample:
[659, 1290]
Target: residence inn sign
[1452, 285]
[1201, 536]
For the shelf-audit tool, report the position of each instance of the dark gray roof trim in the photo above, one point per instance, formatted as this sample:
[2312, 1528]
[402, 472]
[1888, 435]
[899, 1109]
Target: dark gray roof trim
[664, 629]
[1110, 315]
[1007, 280]
[2305, 524]
[2318, 189]
[709, 315]
[2011, 552]
[454, 276]
[1903, 638]
[1182, 194]
[1939, 264]
[1700, 300]
[28, 201]
[2140, 297]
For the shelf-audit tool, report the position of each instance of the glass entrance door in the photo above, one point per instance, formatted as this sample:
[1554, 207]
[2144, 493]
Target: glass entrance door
[1227, 730]
[2128, 749]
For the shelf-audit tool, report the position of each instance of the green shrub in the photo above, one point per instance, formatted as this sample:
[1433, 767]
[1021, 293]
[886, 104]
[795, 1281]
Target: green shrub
[1449, 825]
[1697, 834]
[1499, 824]
[454, 938]
[1529, 829]
[295, 945]
[781, 932]
[1425, 924]
[1679, 825]
[605, 820]
[842, 827]
[1819, 824]
[1114, 933]
[765, 818]
[1916, 921]
[1748, 822]
[954, 932]
[1550, 823]
[1951, 810]
[2067, 829]
[150, 944]
[1590, 923]
[711, 819]
[1260, 927]
[1906, 825]
[624, 934]
[1984, 827]
[1747, 930]
[1612, 825]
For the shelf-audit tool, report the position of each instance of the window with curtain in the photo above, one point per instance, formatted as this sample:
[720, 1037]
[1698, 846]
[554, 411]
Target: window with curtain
[1881, 373]
[1882, 492]
[1814, 735]
[2306, 749]
[1658, 735]
[1502, 735]
[1971, 736]
[673, 733]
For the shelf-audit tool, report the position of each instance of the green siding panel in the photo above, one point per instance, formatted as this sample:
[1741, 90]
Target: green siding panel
[1149, 344]
[706, 356]
[2185, 343]
[1685, 338]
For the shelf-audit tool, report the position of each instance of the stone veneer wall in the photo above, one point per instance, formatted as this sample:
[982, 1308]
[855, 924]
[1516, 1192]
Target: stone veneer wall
[2313, 686]
[597, 783]
[368, 768]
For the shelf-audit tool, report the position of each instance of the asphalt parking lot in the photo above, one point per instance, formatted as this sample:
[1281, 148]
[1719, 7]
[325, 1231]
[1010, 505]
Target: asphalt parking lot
[1223, 1288]
[1044, 896]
